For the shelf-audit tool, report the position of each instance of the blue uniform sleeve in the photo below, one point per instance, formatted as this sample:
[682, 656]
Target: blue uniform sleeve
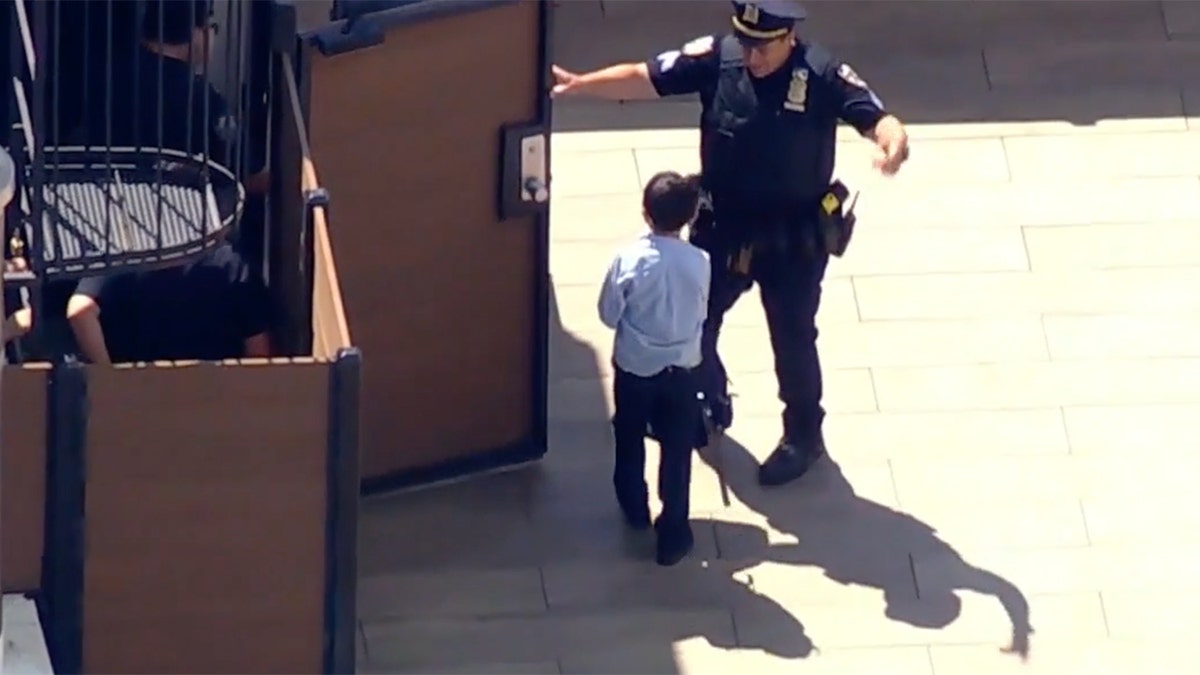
[857, 104]
[688, 69]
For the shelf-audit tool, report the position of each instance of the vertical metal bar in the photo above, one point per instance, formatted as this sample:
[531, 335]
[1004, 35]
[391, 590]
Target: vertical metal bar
[137, 133]
[206, 87]
[341, 540]
[37, 258]
[111, 194]
[66, 474]
[6, 193]
[158, 203]
[541, 256]
[56, 99]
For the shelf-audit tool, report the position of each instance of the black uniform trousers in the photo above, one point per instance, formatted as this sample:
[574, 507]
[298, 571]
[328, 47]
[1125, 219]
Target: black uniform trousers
[789, 280]
[667, 401]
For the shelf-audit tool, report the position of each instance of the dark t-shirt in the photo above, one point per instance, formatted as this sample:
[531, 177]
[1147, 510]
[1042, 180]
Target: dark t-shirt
[203, 310]
[157, 102]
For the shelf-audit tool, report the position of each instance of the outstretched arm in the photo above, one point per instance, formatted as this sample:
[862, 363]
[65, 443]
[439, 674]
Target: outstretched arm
[686, 70]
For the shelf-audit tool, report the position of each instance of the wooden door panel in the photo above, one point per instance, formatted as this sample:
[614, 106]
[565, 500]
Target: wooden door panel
[439, 292]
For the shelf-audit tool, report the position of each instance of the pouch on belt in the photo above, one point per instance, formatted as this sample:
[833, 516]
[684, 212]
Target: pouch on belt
[836, 218]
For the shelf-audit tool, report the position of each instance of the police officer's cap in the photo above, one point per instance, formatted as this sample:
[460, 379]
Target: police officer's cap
[765, 19]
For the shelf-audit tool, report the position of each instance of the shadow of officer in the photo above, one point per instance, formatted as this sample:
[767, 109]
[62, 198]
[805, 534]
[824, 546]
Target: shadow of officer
[853, 539]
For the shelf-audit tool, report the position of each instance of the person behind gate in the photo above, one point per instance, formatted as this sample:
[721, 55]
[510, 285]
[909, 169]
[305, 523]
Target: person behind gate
[771, 104]
[655, 296]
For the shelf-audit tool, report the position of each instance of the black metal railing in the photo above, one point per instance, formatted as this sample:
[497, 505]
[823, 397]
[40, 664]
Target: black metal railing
[127, 154]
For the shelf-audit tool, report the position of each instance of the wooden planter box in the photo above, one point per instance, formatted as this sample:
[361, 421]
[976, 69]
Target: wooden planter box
[198, 517]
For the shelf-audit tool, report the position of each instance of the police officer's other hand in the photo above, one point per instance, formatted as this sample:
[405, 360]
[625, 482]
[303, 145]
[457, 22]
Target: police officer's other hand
[564, 81]
[892, 140]
[891, 156]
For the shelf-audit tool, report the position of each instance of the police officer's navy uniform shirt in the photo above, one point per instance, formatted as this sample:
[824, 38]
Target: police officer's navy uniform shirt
[833, 91]
[656, 298]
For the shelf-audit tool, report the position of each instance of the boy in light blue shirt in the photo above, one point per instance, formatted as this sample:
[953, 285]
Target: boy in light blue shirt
[655, 296]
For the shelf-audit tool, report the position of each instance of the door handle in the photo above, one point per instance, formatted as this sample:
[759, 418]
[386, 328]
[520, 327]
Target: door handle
[524, 170]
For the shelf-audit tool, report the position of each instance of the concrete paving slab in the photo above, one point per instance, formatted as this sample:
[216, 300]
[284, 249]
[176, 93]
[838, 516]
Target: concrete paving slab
[1191, 105]
[698, 657]
[960, 296]
[603, 172]
[1062, 201]
[1165, 615]
[1149, 521]
[971, 619]
[535, 639]
[930, 250]
[1128, 336]
[1125, 155]
[1113, 246]
[954, 23]
[1182, 18]
[948, 434]
[1148, 430]
[1072, 570]
[1078, 64]
[1020, 385]
[1109, 657]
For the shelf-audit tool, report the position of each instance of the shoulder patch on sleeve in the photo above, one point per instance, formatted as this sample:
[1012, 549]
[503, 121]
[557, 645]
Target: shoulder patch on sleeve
[666, 60]
[850, 77]
[699, 47]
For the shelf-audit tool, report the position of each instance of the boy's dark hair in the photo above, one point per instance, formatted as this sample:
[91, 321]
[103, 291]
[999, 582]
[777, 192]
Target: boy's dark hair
[670, 200]
[171, 22]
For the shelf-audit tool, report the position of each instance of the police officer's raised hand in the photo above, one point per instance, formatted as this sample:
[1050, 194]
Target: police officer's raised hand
[892, 140]
[564, 81]
[622, 82]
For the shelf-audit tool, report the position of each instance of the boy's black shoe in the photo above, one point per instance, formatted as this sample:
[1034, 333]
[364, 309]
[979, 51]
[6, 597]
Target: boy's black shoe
[674, 544]
[790, 461]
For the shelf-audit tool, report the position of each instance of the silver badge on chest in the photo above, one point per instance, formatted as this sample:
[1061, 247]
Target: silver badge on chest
[797, 93]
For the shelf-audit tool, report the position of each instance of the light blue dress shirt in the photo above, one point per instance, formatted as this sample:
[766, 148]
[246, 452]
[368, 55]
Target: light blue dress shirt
[656, 298]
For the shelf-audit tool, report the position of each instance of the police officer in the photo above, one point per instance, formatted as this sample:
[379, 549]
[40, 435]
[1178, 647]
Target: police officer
[771, 105]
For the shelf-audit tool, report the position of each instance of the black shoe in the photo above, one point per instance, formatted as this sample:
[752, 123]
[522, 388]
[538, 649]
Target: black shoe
[790, 461]
[674, 544]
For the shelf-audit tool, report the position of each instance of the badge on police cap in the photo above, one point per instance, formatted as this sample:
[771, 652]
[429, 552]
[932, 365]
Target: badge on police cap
[750, 13]
[797, 93]
[847, 73]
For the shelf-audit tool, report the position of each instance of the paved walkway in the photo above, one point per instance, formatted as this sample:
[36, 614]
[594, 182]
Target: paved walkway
[1011, 360]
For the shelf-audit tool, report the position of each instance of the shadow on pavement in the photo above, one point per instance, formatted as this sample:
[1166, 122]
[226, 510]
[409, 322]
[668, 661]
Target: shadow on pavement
[855, 541]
